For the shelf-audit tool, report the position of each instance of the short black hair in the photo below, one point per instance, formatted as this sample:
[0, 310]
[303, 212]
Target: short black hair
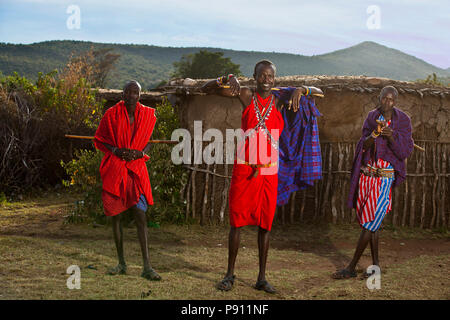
[130, 83]
[387, 89]
[267, 63]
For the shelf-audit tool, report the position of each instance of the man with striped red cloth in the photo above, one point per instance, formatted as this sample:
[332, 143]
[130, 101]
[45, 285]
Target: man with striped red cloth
[123, 136]
[379, 165]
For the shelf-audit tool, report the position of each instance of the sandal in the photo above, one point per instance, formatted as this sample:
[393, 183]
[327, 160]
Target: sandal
[367, 275]
[150, 274]
[344, 274]
[119, 269]
[264, 285]
[226, 284]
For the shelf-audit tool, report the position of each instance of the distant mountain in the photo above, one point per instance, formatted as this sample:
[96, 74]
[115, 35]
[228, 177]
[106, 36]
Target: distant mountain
[151, 64]
[371, 58]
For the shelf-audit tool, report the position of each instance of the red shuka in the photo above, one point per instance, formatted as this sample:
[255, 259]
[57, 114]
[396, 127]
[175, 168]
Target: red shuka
[252, 199]
[118, 174]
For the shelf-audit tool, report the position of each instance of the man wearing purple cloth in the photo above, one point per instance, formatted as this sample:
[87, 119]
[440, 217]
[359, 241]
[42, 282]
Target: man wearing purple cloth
[378, 165]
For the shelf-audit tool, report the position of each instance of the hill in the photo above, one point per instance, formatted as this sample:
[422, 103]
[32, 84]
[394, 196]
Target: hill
[152, 64]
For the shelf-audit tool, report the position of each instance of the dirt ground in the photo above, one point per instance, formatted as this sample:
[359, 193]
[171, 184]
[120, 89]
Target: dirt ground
[37, 247]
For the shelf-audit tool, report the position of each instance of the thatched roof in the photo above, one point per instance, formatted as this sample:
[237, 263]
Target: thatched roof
[181, 87]
[336, 83]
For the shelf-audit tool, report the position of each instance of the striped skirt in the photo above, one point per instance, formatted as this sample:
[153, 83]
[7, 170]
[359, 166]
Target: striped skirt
[374, 198]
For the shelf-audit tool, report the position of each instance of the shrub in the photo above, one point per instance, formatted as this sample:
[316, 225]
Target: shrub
[85, 179]
[35, 118]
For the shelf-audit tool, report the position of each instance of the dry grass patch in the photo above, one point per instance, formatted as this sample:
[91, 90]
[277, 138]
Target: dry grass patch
[36, 248]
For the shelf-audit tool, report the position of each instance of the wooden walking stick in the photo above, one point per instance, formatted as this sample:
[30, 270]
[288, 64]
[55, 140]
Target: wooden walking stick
[92, 138]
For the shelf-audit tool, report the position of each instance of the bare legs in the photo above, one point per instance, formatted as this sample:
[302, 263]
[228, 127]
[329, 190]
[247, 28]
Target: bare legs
[118, 238]
[233, 247]
[141, 224]
[374, 248]
[234, 238]
[263, 248]
[365, 237]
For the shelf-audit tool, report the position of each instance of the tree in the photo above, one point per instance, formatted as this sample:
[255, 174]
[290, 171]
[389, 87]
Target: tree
[94, 65]
[432, 79]
[205, 64]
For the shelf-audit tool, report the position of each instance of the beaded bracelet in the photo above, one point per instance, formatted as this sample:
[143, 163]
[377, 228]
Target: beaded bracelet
[219, 81]
[307, 90]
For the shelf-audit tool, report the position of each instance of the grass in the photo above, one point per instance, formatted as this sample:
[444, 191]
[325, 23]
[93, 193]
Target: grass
[36, 248]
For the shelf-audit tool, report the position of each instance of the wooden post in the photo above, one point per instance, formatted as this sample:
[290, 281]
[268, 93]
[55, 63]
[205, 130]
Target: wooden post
[188, 195]
[329, 180]
[413, 200]
[194, 191]
[291, 215]
[302, 209]
[337, 190]
[438, 186]
[316, 200]
[396, 207]
[226, 185]
[205, 197]
[213, 192]
[443, 182]
[424, 190]
[433, 194]
[405, 198]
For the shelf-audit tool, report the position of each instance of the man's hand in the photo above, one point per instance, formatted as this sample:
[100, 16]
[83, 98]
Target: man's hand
[235, 87]
[294, 102]
[128, 154]
[387, 132]
[380, 125]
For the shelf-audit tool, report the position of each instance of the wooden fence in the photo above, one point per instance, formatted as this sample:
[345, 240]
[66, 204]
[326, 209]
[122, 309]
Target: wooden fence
[421, 201]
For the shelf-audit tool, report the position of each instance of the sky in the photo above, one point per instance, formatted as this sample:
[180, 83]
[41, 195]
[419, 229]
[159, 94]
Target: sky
[417, 27]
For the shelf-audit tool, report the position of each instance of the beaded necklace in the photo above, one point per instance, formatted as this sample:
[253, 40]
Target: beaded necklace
[262, 119]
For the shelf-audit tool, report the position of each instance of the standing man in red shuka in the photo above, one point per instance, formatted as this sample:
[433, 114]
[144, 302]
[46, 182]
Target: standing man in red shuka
[254, 183]
[123, 136]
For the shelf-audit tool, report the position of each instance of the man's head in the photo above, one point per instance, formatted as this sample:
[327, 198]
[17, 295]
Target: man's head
[264, 75]
[131, 93]
[388, 98]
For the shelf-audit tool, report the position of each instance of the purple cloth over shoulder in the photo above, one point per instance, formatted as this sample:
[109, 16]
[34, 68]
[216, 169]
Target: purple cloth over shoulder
[300, 158]
[395, 152]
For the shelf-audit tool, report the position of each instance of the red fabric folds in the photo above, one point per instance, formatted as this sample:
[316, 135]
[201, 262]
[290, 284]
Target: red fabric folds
[115, 130]
[252, 199]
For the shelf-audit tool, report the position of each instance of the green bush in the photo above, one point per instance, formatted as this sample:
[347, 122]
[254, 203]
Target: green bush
[166, 178]
[35, 118]
[85, 179]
